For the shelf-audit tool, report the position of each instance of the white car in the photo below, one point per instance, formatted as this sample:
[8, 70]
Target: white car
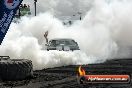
[62, 45]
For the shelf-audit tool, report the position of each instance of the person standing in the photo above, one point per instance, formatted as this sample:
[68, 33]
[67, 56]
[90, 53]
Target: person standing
[45, 35]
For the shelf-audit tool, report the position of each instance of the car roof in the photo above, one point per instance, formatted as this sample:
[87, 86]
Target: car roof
[61, 39]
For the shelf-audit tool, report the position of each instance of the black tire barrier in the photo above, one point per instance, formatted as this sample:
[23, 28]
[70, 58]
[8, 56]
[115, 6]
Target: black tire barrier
[16, 69]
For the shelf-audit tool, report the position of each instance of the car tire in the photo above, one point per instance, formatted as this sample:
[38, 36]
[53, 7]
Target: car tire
[16, 69]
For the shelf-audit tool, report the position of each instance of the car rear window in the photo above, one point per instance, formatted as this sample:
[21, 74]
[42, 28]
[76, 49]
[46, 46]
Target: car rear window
[60, 42]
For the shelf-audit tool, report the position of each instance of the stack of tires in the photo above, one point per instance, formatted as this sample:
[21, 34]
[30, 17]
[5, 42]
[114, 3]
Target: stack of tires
[15, 69]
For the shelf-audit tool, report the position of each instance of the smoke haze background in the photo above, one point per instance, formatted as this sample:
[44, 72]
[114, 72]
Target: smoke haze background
[104, 33]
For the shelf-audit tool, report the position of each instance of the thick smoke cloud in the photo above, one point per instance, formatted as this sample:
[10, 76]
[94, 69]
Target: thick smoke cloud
[104, 33]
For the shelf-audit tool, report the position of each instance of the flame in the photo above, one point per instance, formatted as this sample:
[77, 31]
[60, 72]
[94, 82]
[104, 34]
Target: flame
[81, 71]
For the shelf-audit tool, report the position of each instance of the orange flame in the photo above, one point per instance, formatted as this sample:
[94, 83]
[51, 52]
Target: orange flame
[81, 71]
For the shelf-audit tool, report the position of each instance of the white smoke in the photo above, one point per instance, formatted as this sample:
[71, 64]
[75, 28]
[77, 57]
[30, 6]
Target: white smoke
[104, 33]
[60, 8]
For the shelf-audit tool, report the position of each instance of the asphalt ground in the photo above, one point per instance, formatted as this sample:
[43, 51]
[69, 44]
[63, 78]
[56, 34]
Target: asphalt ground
[66, 76]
